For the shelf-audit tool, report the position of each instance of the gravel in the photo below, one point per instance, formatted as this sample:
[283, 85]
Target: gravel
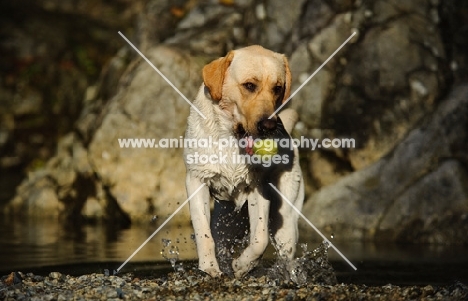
[193, 285]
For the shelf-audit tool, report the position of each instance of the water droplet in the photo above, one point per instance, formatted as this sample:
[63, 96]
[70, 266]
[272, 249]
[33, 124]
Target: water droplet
[170, 253]
[166, 242]
[312, 266]
[332, 236]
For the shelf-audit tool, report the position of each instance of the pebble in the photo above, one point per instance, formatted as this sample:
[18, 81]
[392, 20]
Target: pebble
[260, 11]
[55, 275]
[192, 285]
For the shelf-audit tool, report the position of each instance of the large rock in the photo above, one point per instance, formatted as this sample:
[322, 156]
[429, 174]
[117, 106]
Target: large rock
[48, 61]
[147, 180]
[375, 89]
[60, 188]
[107, 180]
[421, 180]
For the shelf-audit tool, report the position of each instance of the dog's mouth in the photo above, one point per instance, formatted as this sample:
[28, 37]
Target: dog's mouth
[248, 139]
[249, 146]
[240, 132]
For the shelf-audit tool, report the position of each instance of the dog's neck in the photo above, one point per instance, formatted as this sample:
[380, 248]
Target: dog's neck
[223, 121]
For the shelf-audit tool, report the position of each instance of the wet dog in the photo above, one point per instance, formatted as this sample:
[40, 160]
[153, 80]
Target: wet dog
[239, 93]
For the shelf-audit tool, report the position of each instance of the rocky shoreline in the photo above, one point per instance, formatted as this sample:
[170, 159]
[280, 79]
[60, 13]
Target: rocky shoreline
[192, 285]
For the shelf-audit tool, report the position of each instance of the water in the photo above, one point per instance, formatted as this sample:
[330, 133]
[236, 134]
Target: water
[312, 266]
[34, 243]
[41, 246]
[171, 253]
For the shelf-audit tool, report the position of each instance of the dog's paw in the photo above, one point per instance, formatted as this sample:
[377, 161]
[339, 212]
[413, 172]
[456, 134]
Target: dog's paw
[241, 268]
[212, 272]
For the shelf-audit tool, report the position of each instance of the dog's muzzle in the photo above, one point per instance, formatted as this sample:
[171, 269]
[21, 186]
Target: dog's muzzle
[267, 126]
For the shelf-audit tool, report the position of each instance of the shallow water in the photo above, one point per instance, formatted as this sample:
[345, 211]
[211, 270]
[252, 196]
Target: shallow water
[41, 246]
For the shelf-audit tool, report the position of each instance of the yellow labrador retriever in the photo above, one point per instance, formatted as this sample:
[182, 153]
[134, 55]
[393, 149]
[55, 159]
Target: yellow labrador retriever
[239, 92]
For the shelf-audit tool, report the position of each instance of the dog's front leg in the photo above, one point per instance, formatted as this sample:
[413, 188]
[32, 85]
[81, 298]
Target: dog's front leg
[200, 215]
[292, 187]
[258, 218]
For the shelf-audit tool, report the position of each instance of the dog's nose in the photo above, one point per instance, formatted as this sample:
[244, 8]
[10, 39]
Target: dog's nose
[267, 125]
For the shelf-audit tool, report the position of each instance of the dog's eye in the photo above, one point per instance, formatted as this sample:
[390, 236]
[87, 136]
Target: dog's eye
[277, 90]
[250, 86]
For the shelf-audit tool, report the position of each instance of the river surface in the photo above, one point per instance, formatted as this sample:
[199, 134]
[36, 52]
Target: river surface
[41, 246]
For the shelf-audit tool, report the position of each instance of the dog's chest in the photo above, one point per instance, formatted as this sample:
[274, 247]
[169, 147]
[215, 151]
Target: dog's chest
[223, 188]
[227, 176]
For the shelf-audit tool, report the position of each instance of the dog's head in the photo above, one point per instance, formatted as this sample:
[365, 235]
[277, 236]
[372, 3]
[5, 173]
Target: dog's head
[249, 84]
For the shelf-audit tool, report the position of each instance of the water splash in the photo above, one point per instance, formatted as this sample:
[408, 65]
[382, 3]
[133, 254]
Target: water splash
[227, 249]
[171, 253]
[311, 267]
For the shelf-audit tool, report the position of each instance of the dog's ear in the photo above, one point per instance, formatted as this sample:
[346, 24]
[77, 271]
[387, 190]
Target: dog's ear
[287, 83]
[213, 75]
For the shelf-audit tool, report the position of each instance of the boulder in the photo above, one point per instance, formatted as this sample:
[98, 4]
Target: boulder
[106, 179]
[376, 88]
[421, 180]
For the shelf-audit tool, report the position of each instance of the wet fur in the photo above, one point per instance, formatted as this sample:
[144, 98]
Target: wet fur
[234, 110]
